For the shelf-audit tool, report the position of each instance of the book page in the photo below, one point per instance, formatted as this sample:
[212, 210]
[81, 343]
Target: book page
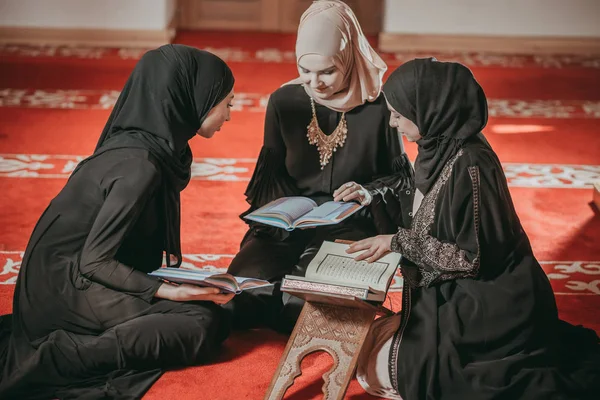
[223, 281]
[327, 214]
[328, 211]
[249, 283]
[332, 264]
[287, 208]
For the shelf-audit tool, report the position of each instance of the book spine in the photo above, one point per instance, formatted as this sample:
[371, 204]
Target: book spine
[324, 288]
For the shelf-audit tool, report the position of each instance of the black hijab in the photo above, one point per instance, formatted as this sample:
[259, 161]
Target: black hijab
[445, 102]
[165, 100]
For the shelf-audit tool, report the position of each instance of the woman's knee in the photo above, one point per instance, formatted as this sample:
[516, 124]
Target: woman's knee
[265, 259]
[175, 339]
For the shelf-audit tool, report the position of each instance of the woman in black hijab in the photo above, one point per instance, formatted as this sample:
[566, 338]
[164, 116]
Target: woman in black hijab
[88, 322]
[479, 319]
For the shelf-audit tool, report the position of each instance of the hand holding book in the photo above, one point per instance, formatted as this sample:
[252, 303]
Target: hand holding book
[333, 276]
[294, 212]
[372, 248]
[185, 292]
[352, 191]
[225, 283]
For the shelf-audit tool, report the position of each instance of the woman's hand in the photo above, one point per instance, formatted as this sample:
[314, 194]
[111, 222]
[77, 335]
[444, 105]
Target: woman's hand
[375, 248]
[185, 292]
[352, 191]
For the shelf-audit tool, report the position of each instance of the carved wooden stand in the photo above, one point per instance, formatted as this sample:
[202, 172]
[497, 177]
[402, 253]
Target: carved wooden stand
[338, 330]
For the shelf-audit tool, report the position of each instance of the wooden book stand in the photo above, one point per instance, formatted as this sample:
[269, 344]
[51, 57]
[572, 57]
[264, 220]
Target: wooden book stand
[338, 330]
[338, 327]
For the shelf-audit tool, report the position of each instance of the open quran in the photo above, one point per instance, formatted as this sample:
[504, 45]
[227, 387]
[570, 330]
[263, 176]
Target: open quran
[226, 282]
[333, 276]
[294, 212]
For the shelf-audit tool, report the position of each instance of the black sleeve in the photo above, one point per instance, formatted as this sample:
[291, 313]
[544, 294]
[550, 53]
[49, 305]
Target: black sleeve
[480, 218]
[270, 179]
[126, 188]
[393, 193]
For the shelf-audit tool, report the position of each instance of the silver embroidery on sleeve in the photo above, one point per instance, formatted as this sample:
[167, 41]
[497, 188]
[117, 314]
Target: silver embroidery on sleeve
[436, 261]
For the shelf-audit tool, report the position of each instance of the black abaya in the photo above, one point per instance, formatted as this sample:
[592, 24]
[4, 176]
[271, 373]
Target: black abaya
[84, 312]
[289, 165]
[85, 321]
[479, 316]
[479, 319]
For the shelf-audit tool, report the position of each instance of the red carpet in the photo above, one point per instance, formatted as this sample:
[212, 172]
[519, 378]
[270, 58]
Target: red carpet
[544, 117]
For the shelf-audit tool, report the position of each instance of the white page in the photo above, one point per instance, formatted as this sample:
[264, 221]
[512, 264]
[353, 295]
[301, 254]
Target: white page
[333, 264]
[293, 207]
[327, 208]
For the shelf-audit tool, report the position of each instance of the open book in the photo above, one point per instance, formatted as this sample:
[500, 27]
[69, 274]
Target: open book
[333, 276]
[226, 282]
[294, 212]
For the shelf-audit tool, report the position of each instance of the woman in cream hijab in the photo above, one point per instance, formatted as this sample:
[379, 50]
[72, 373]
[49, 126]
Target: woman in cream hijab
[329, 35]
[326, 136]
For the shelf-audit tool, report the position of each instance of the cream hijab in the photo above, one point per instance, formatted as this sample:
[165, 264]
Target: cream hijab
[330, 28]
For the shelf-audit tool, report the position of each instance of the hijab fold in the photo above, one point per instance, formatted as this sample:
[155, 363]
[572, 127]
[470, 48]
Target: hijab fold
[445, 102]
[163, 104]
[329, 28]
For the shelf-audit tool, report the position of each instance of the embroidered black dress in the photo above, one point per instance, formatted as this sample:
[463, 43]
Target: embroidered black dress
[288, 165]
[479, 318]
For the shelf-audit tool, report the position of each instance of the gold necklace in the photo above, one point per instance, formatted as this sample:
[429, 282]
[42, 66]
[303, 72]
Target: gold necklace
[326, 145]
